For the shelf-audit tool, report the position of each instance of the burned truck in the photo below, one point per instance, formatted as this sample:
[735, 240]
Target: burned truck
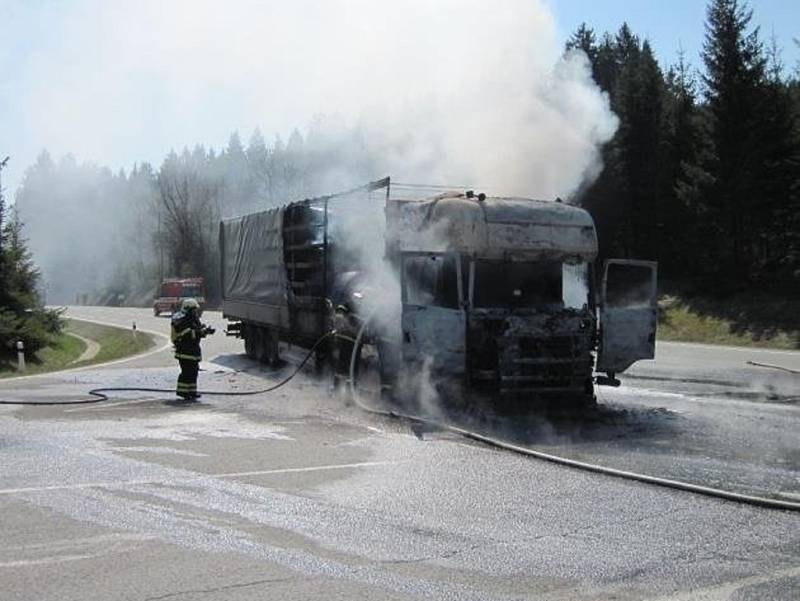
[499, 298]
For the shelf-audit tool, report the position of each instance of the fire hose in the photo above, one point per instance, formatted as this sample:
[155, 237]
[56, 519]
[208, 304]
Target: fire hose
[99, 394]
[573, 463]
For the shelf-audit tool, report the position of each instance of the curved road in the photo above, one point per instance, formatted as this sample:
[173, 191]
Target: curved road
[295, 495]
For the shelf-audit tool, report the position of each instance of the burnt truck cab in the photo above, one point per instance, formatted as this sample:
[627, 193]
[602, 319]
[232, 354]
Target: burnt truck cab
[499, 298]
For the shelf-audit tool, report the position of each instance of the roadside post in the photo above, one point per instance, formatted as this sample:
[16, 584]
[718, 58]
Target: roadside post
[134, 330]
[20, 355]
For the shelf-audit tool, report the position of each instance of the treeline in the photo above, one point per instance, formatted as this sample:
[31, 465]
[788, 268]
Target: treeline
[108, 238]
[22, 316]
[703, 173]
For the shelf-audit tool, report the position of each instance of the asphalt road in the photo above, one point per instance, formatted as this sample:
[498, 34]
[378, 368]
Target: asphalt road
[295, 495]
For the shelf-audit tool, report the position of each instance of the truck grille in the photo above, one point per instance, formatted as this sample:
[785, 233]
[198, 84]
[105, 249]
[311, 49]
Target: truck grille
[542, 365]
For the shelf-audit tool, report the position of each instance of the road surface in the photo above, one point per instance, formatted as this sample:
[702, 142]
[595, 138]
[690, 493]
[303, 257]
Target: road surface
[295, 495]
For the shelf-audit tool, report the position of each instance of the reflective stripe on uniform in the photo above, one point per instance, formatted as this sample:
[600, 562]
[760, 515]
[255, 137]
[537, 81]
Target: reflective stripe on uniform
[188, 357]
[181, 334]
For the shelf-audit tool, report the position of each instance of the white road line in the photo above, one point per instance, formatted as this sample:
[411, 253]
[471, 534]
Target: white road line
[106, 405]
[111, 543]
[24, 563]
[316, 468]
[123, 483]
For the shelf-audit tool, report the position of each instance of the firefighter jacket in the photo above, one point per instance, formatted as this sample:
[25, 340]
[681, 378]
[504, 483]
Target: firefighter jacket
[186, 334]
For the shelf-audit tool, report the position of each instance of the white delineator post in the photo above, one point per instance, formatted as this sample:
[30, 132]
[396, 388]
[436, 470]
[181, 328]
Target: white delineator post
[134, 329]
[20, 355]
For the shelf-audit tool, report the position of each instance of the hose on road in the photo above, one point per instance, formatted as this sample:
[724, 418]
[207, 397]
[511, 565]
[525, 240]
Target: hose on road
[778, 367]
[99, 394]
[573, 463]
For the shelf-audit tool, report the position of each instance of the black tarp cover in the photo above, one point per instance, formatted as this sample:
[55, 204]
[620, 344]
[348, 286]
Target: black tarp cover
[253, 269]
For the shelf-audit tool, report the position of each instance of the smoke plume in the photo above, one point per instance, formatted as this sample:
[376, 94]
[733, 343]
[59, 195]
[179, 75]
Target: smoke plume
[465, 92]
[461, 91]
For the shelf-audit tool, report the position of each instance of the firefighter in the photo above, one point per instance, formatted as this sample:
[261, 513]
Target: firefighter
[187, 330]
[346, 324]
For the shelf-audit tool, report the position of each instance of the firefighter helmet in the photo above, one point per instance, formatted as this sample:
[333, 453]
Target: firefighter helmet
[190, 304]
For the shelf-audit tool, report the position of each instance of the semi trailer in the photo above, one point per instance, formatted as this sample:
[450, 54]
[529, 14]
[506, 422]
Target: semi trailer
[500, 298]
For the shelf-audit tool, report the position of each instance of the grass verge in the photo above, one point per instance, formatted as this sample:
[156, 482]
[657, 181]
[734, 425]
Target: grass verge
[115, 343]
[737, 322]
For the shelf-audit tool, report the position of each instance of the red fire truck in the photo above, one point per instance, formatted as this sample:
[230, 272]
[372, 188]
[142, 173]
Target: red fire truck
[174, 290]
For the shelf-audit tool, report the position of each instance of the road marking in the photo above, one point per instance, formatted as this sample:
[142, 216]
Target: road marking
[111, 543]
[23, 563]
[316, 468]
[122, 483]
[107, 405]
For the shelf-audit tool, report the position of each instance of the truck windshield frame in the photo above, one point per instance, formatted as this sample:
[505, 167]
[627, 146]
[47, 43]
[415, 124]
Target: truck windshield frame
[432, 280]
[504, 284]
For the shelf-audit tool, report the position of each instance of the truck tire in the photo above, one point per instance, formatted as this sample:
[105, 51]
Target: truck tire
[250, 341]
[269, 350]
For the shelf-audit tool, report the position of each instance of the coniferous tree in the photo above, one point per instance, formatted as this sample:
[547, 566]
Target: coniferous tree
[684, 182]
[639, 103]
[22, 317]
[583, 39]
[734, 81]
[606, 68]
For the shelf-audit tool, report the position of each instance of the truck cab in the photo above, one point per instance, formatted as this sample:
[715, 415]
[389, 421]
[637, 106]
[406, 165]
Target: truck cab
[173, 291]
[499, 298]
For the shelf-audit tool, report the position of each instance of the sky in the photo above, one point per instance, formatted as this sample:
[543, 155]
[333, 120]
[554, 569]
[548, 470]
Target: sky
[119, 82]
[673, 24]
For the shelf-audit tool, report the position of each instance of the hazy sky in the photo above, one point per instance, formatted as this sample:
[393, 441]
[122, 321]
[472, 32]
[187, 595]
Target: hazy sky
[117, 82]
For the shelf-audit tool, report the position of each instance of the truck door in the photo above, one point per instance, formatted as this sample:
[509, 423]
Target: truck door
[628, 314]
[434, 320]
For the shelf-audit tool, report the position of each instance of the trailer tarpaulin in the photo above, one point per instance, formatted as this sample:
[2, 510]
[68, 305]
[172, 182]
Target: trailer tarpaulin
[253, 270]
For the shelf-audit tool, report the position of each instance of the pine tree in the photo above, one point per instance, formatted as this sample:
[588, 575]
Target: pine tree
[22, 318]
[684, 182]
[778, 216]
[583, 39]
[734, 81]
[257, 159]
[606, 68]
[639, 104]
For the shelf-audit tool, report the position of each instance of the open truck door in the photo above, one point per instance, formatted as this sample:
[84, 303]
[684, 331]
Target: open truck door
[434, 320]
[628, 314]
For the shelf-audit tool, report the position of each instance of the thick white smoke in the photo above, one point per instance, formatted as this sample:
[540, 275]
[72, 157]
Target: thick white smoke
[463, 91]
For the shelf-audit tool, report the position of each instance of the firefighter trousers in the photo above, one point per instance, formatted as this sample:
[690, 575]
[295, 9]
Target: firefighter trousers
[187, 379]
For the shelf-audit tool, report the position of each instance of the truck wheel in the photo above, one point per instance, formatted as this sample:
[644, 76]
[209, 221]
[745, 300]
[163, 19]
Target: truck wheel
[322, 359]
[269, 347]
[250, 342]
